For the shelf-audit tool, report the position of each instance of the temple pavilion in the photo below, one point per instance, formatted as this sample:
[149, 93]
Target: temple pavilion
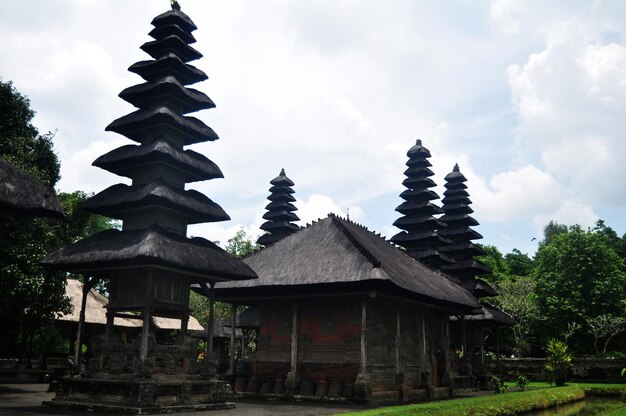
[150, 263]
[339, 306]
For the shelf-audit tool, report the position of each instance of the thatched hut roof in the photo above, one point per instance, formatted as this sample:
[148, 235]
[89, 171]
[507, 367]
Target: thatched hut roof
[150, 247]
[335, 254]
[95, 311]
[489, 315]
[145, 95]
[23, 195]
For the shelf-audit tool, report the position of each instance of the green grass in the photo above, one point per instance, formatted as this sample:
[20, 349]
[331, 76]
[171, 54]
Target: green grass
[538, 396]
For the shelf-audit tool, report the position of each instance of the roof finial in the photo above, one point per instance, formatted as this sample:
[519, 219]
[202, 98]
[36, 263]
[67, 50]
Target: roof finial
[418, 142]
[282, 172]
[175, 5]
[456, 167]
[348, 214]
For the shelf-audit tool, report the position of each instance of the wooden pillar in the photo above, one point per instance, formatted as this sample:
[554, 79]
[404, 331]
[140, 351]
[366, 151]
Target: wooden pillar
[210, 293]
[145, 334]
[482, 346]
[290, 380]
[497, 347]
[363, 336]
[109, 327]
[446, 343]
[231, 358]
[87, 285]
[398, 339]
[184, 324]
[294, 337]
[463, 335]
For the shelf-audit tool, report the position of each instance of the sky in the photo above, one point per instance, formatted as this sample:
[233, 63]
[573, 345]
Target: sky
[528, 97]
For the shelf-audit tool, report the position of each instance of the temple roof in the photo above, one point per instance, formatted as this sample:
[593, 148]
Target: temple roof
[280, 211]
[171, 44]
[489, 315]
[118, 200]
[174, 17]
[22, 195]
[138, 124]
[146, 95]
[124, 160]
[335, 254]
[152, 247]
[169, 64]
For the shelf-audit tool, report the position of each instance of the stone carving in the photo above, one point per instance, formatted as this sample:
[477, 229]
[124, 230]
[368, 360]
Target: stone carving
[116, 359]
[171, 360]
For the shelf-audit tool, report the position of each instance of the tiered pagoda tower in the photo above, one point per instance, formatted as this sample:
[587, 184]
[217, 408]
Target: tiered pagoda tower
[456, 207]
[150, 263]
[419, 238]
[280, 211]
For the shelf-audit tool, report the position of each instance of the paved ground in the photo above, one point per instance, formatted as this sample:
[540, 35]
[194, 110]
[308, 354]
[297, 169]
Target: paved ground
[25, 400]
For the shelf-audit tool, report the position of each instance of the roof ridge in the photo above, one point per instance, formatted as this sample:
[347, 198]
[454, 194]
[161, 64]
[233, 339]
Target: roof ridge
[368, 255]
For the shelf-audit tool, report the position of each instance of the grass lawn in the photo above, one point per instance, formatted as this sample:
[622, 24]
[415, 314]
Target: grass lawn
[538, 396]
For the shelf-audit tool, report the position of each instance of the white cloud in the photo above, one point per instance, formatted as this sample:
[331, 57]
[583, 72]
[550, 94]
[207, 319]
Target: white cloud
[570, 212]
[508, 14]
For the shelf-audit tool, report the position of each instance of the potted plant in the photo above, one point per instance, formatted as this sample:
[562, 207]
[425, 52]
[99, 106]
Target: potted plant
[558, 361]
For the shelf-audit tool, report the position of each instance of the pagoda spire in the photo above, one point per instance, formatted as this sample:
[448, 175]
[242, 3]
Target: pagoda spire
[456, 207]
[419, 238]
[280, 211]
[150, 262]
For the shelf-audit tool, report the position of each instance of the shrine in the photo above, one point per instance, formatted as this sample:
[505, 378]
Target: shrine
[150, 263]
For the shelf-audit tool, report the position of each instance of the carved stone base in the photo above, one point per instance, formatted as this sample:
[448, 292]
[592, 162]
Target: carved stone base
[290, 383]
[140, 396]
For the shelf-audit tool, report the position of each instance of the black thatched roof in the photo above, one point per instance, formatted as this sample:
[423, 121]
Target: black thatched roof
[118, 201]
[171, 44]
[174, 17]
[280, 211]
[335, 254]
[146, 95]
[164, 31]
[108, 250]
[22, 195]
[490, 315]
[125, 160]
[169, 64]
[136, 124]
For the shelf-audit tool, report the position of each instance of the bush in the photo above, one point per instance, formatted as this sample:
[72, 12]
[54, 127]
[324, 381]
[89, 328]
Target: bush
[521, 381]
[498, 385]
[558, 361]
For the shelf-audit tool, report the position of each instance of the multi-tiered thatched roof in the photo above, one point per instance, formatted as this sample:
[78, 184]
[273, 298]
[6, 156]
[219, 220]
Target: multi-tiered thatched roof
[157, 208]
[420, 238]
[280, 211]
[456, 206]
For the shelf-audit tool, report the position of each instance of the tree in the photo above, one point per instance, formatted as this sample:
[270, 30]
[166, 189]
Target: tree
[578, 276]
[30, 296]
[518, 263]
[607, 327]
[241, 245]
[494, 259]
[516, 298]
[551, 230]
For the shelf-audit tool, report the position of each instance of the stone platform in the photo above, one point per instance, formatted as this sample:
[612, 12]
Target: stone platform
[145, 396]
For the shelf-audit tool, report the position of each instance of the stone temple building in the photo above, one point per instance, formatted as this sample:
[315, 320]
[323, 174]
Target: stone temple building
[150, 263]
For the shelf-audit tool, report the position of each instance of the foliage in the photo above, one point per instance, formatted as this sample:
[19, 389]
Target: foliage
[572, 327]
[558, 361]
[516, 297]
[518, 263]
[498, 385]
[551, 230]
[241, 245]
[492, 405]
[578, 276]
[605, 327]
[521, 381]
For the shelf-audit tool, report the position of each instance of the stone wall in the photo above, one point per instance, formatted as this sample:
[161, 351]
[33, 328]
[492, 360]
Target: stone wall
[592, 370]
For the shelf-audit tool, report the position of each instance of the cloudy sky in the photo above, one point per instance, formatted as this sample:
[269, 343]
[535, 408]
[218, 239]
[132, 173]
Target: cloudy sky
[529, 97]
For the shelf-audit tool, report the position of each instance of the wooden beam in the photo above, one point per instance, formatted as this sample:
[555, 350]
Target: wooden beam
[145, 334]
[231, 358]
[87, 286]
[398, 339]
[363, 336]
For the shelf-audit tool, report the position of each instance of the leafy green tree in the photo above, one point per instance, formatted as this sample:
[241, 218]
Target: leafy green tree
[518, 263]
[578, 276]
[241, 245]
[552, 229]
[30, 296]
[516, 297]
[494, 259]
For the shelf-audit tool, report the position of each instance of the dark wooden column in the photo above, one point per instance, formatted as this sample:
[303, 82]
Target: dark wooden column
[210, 294]
[231, 358]
[362, 386]
[398, 340]
[290, 380]
[87, 286]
